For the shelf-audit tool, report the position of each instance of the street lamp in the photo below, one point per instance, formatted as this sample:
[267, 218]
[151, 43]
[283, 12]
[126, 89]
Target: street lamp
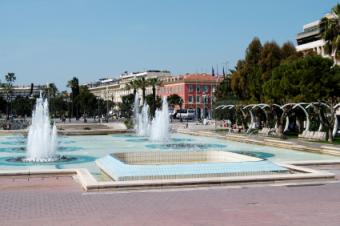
[98, 98]
[204, 100]
[107, 104]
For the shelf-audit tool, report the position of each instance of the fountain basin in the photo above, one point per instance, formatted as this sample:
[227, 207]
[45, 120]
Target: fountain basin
[178, 165]
[58, 162]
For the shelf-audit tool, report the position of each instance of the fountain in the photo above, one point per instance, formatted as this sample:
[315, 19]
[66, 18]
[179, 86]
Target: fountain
[142, 119]
[160, 124]
[42, 137]
[158, 129]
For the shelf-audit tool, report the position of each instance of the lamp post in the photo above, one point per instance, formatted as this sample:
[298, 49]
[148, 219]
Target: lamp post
[107, 104]
[204, 100]
[98, 98]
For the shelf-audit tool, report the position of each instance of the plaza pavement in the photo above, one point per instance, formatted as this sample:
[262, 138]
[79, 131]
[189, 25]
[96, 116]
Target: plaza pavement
[60, 201]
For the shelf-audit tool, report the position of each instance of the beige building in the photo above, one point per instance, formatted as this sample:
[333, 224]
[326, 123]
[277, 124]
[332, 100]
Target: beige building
[115, 89]
[24, 91]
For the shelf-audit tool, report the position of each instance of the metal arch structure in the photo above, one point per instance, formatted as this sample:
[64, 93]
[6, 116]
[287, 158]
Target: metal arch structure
[252, 118]
[297, 105]
[219, 107]
[336, 121]
[323, 104]
[262, 107]
[300, 105]
[230, 106]
[275, 116]
[287, 118]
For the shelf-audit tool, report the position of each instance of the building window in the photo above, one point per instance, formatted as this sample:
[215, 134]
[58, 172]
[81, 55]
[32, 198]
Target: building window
[206, 88]
[190, 99]
[198, 99]
[191, 88]
[198, 88]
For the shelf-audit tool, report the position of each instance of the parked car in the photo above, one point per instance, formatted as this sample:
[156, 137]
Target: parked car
[185, 114]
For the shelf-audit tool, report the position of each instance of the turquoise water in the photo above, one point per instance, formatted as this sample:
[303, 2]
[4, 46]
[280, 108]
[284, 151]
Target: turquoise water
[86, 149]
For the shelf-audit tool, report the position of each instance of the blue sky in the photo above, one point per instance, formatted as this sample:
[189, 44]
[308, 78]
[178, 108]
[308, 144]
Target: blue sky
[52, 41]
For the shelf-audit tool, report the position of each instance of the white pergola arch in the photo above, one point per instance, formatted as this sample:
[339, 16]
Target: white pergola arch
[336, 121]
[287, 118]
[300, 105]
[262, 107]
[230, 106]
[252, 118]
[323, 104]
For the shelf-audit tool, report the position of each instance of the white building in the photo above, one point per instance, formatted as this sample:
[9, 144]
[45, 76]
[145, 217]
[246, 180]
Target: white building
[310, 40]
[114, 89]
[24, 91]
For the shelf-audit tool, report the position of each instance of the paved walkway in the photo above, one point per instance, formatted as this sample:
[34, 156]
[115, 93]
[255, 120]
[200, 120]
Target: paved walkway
[198, 128]
[59, 201]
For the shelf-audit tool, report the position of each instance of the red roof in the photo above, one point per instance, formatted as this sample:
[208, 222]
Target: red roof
[201, 77]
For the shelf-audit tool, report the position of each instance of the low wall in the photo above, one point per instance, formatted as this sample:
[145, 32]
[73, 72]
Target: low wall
[179, 157]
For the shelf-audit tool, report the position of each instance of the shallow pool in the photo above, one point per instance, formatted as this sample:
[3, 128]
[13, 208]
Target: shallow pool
[86, 149]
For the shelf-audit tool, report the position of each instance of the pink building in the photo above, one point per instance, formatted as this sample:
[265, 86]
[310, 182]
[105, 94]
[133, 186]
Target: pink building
[196, 91]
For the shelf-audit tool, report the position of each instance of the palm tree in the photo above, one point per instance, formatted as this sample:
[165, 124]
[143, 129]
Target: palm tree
[154, 82]
[51, 90]
[330, 32]
[142, 84]
[8, 87]
[133, 84]
[74, 85]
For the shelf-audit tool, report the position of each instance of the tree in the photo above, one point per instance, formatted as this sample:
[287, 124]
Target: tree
[256, 68]
[74, 85]
[142, 84]
[223, 91]
[174, 100]
[22, 106]
[303, 80]
[239, 81]
[327, 115]
[270, 58]
[288, 51]
[253, 52]
[59, 103]
[153, 102]
[3, 105]
[126, 105]
[8, 87]
[86, 101]
[330, 32]
[133, 84]
[153, 82]
[51, 92]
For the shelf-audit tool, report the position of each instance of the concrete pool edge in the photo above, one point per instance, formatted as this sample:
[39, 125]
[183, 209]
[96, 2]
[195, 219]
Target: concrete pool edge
[89, 183]
[161, 165]
[71, 132]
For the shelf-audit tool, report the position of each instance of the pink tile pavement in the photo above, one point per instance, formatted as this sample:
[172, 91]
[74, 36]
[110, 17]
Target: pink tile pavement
[51, 203]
